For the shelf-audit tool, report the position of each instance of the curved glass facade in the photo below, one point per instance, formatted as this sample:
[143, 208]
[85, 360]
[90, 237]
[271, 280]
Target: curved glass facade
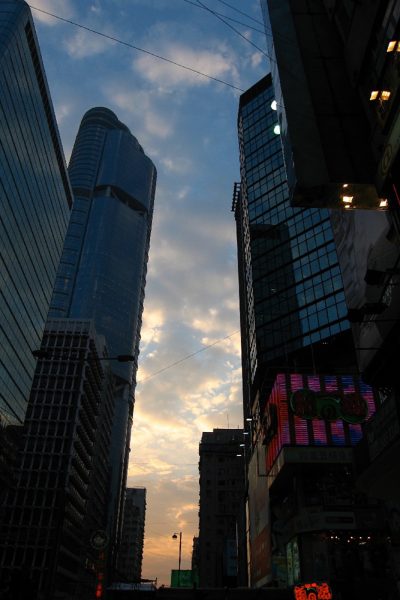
[35, 198]
[103, 265]
[102, 271]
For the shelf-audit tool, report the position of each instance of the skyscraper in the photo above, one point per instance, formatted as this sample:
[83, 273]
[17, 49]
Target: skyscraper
[294, 329]
[292, 305]
[221, 545]
[335, 68]
[59, 501]
[80, 408]
[130, 556]
[102, 271]
[35, 199]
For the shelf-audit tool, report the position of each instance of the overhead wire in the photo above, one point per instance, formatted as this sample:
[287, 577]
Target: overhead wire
[233, 28]
[184, 358]
[241, 12]
[226, 17]
[134, 47]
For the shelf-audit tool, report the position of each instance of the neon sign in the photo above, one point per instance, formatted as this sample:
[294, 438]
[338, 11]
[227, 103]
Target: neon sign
[312, 591]
[329, 406]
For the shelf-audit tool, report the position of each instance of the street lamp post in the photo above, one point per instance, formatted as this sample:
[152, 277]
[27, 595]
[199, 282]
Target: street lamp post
[174, 537]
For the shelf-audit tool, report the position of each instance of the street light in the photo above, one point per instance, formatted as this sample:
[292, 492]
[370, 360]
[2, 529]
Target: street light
[175, 537]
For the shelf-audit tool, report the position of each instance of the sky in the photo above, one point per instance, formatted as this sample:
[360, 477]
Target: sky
[187, 125]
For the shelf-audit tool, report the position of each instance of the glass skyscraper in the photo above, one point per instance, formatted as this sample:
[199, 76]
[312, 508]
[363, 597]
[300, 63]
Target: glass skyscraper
[291, 292]
[103, 266]
[35, 197]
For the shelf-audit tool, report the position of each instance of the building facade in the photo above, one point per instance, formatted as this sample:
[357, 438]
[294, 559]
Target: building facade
[322, 527]
[294, 322]
[50, 519]
[103, 266]
[363, 40]
[35, 201]
[341, 149]
[292, 304]
[221, 547]
[130, 555]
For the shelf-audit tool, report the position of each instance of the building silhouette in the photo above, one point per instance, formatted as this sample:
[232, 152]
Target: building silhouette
[292, 304]
[35, 199]
[103, 266]
[221, 550]
[303, 400]
[353, 165]
[63, 472]
[130, 555]
[61, 522]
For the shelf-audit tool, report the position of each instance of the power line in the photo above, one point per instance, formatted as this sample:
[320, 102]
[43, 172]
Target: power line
[239, 11]
[132, 46]
[233, 28]
[226, 17]
[181, 360]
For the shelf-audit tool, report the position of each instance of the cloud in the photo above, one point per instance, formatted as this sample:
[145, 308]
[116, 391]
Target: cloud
[83, 44]
[154, 122]
[61, 8]
[217, 61]
[256, 59]
[179, 164]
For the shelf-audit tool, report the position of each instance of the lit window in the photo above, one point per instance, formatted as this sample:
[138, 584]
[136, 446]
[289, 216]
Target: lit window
[385, 95]
[383, 203]
[374, 95]
[391, 46]
[347, 199]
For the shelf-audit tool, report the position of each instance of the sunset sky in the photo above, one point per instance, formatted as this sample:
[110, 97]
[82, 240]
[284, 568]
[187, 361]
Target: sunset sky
[187, 125]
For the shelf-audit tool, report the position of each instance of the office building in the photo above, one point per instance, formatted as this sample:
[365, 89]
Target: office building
[292, 304]
[334, 66]
[336, 77]
[221, 548]
[130, 555]
[35, 199]
[103, 265]
[293, 321]
[50, 521]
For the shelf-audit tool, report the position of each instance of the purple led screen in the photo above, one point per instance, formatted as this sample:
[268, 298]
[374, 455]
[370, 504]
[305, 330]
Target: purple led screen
[293, 430]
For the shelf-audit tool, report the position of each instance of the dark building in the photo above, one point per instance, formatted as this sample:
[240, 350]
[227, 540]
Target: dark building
[323, 528]
[103, 266]
[221, 547]
[63, 474]
[35, 200]
[130, 555]
[336, 73]
[292, 304]
[293, 322]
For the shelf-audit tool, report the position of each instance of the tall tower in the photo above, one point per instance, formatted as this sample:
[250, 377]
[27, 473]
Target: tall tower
[293, 309]
[103, 266]
[130, 556]
[35, 197]
[294, 329]
[221, 545]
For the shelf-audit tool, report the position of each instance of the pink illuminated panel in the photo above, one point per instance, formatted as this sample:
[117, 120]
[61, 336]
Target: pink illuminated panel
[295, 430]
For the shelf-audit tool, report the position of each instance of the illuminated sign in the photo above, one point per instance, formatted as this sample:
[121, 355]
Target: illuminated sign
[329, 406]
[312, 591]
